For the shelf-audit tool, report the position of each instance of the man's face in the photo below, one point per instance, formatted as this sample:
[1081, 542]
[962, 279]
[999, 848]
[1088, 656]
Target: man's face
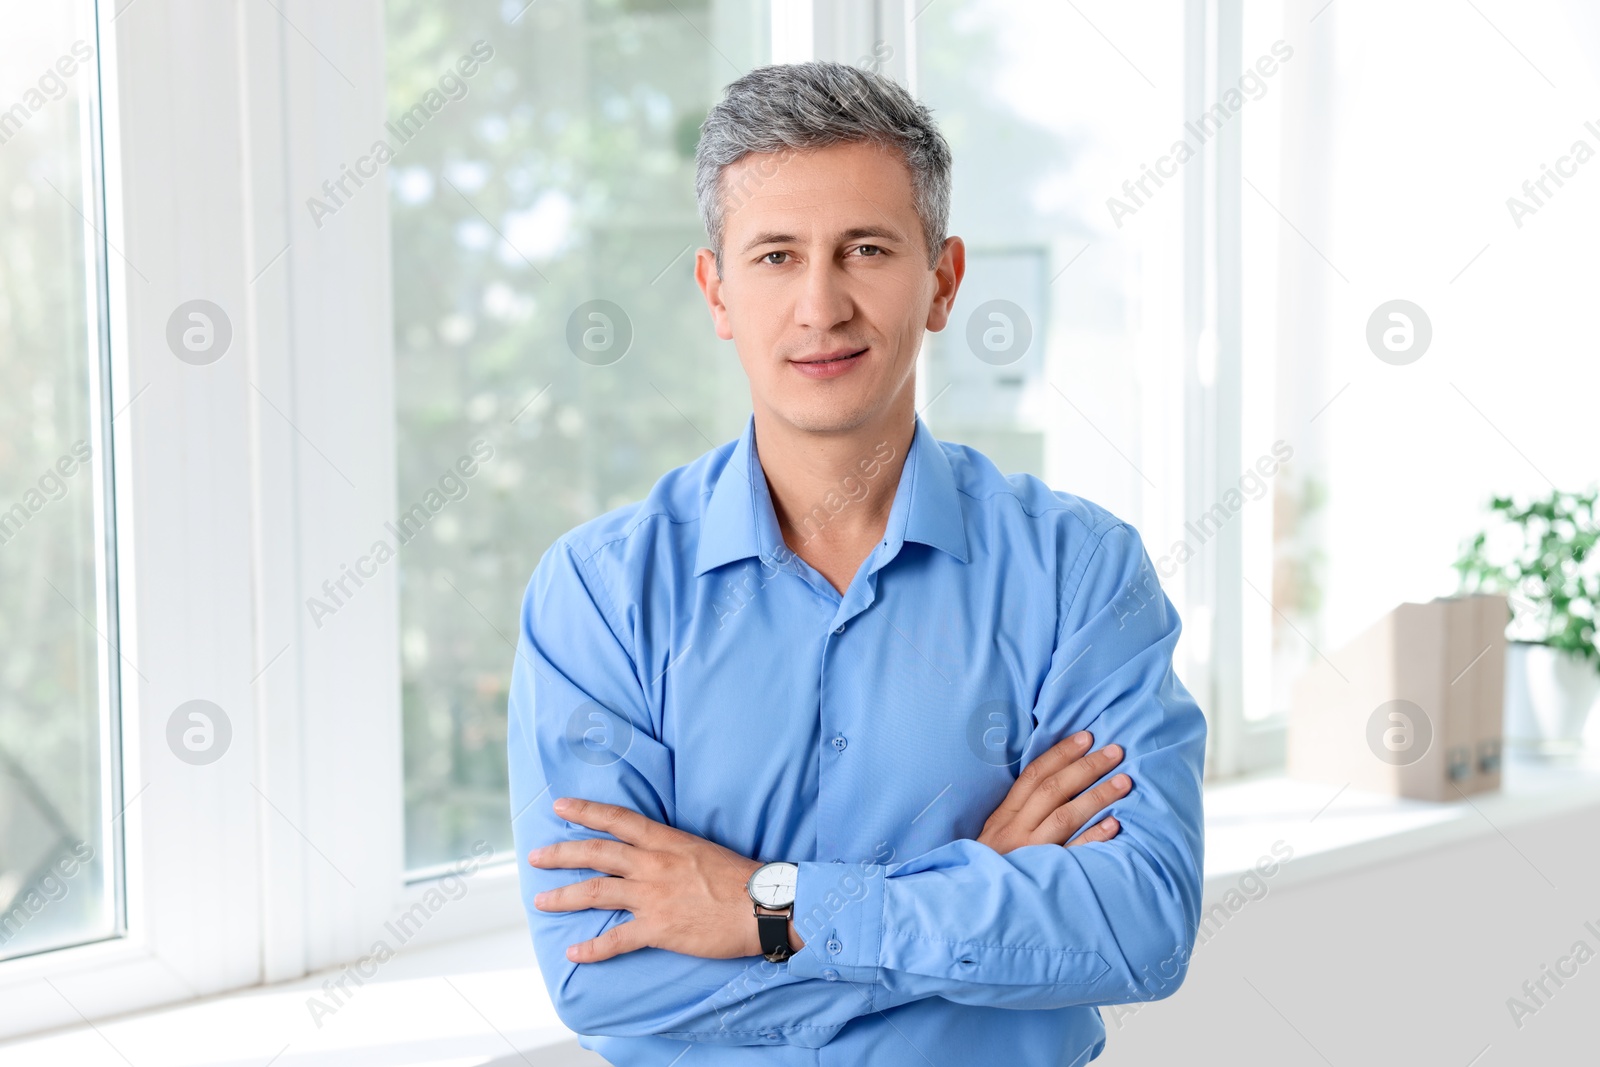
[824, 258]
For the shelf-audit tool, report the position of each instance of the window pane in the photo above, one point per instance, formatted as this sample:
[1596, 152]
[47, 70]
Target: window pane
[560, 172]
[1401, 439]
[1070, 197]
[56, 846]
[1033, 182]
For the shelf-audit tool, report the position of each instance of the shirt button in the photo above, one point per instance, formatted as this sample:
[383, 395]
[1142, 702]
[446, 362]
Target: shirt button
[839, 629]
[771, 1035]
[830, 974]
[840, 743]
[834, 947]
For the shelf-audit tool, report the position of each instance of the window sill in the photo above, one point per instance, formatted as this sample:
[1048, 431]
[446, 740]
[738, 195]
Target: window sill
[479, 1001]
[1332, 831]
[476, 1002]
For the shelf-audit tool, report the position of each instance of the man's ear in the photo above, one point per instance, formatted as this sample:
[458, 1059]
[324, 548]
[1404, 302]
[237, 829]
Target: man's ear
[948, 273]
[705, 276]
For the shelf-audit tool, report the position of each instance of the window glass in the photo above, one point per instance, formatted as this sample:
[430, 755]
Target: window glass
[1364, 204]
[57, 629]
[1049, 109]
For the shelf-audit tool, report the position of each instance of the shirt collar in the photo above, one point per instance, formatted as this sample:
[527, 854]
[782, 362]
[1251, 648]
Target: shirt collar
[739, 522]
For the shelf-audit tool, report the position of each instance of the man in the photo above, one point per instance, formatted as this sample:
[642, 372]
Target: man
[766, 726]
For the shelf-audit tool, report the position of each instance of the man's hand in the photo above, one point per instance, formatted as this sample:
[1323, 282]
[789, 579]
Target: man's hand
[686, 894]
[1047, 803]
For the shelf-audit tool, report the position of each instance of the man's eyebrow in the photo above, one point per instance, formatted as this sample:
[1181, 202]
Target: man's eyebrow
[770, 238]
[871, 231]
[852, 234]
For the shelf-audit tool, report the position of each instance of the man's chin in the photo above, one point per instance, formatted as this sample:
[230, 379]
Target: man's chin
[826, 419]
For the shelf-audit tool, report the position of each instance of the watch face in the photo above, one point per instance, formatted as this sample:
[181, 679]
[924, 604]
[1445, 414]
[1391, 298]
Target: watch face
[772, 886]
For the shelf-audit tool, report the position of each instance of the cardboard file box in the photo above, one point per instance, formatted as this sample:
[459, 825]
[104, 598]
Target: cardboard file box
[1411, 707]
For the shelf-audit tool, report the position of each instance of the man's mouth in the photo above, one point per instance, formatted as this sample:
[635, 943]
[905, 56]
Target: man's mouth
[834, 357]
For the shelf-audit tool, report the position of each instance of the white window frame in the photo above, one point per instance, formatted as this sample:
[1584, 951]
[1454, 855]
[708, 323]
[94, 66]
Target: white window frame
[189, 892]
[1214, 397]
[285, 856]
[241, 485]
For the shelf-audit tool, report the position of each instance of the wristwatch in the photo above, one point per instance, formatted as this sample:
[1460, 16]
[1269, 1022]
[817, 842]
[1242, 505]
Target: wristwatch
[771, 889]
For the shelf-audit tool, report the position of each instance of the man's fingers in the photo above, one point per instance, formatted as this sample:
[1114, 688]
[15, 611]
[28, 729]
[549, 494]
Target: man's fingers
[1050, 761]
[1059, 755]
[610, 894]
[623, 937]
[1104, 830]
[593, 853]
[1070, 818]
[1064, 786]
[621, 823]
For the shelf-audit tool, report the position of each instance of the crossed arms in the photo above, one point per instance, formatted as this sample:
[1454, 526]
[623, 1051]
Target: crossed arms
[643, 928]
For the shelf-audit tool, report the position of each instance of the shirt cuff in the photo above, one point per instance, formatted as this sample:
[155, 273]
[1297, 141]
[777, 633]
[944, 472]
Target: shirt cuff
[838, 911]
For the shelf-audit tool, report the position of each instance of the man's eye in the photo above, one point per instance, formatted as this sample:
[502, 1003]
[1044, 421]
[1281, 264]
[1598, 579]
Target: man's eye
[768, 258]
[869, 250]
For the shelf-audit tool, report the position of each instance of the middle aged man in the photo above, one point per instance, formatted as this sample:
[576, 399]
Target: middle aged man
[766, 725]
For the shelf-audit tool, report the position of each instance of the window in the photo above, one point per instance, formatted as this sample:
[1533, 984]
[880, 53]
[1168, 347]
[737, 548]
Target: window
[1066, 391]
[59, 838]
[1368, 179]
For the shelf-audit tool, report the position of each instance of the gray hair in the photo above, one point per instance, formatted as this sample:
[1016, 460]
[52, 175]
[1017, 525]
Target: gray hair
[784, 108]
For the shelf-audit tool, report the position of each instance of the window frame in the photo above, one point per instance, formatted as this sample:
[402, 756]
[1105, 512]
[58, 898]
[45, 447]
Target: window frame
[1235, 746]
[171, 946]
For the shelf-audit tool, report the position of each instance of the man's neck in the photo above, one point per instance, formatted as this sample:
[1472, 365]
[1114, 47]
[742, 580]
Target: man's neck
[833, 492]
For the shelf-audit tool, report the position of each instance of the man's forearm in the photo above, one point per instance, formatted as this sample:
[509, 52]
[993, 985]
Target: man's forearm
[1043, 927]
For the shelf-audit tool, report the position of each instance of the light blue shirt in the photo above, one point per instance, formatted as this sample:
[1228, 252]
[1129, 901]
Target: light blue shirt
[678, 659]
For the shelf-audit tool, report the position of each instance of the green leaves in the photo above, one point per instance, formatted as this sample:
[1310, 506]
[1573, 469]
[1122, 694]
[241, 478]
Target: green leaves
[1543, 558]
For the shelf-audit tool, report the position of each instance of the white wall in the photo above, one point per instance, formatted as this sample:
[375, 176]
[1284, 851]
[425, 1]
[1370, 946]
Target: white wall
[1404, 962]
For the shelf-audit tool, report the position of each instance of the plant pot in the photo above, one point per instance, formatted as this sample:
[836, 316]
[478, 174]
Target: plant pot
[1548, 695]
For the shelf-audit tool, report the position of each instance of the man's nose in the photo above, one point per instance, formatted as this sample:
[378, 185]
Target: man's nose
[825, 299]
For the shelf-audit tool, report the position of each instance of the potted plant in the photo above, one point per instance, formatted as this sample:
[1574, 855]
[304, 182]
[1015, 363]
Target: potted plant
[1543, 557]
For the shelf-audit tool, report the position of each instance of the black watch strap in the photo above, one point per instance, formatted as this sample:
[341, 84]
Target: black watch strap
[773, 929]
